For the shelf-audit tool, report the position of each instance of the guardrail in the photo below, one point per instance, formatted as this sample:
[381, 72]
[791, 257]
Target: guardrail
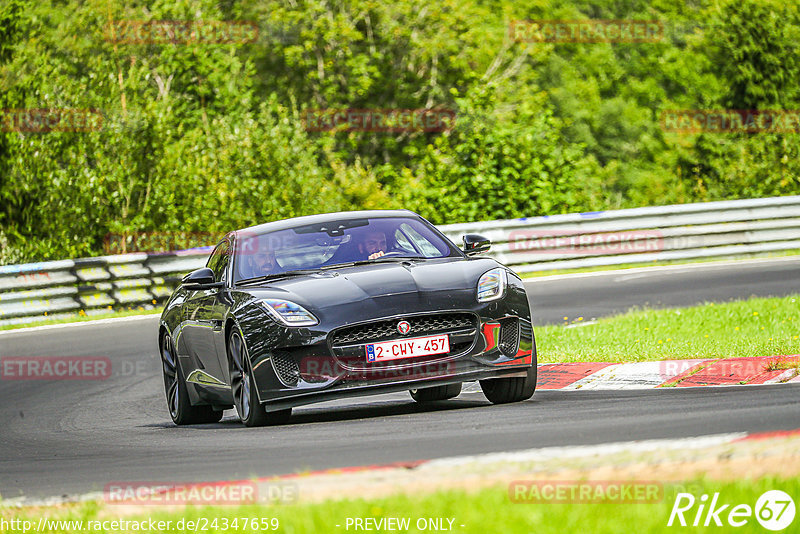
[640, 235]
[32, 290]
[659, 233]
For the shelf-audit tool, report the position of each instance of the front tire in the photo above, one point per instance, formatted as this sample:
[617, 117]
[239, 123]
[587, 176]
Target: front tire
[180, 407]
[513, 389]
[437, 393]
[245, 396]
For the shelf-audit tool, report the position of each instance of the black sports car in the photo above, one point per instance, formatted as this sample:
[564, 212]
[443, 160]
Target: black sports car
[316, 308]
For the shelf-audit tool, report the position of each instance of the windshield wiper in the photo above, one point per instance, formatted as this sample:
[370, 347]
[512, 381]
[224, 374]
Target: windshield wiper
[285, 274]
[301, 272]
[295, 272]
[390, 259]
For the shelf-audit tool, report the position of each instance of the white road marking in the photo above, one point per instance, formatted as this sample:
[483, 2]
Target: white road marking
[530, 455]
[783, 377]
[624, 273]
[95, 322]
[636, 375]
[580, 451]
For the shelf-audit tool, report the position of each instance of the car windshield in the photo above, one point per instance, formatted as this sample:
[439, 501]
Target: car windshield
[336, 242]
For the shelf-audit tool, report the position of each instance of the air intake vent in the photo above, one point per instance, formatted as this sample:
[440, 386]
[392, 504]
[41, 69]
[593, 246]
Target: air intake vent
[526, 329]
[286, 368]
[509, 337]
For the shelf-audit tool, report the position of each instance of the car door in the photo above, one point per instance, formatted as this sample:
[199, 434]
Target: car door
[205, 311]
[216, 306]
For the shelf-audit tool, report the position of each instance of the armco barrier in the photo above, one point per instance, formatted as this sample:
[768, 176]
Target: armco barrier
[30, 290]
[688, 231]
[678, 232]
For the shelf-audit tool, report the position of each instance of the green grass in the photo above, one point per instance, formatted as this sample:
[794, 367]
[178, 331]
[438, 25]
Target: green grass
[81, 317]
[487, 510]
[783, 364]
[754, 327]
[601, 268]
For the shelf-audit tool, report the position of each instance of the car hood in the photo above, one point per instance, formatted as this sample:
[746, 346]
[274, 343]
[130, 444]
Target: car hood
[380, 284]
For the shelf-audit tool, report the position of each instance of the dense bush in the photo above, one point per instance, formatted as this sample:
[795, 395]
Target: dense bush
[209, 137]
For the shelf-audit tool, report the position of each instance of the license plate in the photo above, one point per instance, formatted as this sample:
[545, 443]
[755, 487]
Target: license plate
[408, 348]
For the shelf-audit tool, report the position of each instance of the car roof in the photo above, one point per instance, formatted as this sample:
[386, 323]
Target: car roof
[283, 224]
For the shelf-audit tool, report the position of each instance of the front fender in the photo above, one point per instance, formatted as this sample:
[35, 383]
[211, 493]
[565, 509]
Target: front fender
[261, 335]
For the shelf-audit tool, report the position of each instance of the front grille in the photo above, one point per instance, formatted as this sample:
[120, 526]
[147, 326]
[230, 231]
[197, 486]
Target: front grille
[387, 329]
[509, 337]
[286, 368]
[348, 343]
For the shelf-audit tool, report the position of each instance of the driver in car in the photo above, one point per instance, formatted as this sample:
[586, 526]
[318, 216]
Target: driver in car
[373, 244]
[261, 261]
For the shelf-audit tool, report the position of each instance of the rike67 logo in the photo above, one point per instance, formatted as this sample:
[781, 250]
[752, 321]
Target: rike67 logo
[774, 510]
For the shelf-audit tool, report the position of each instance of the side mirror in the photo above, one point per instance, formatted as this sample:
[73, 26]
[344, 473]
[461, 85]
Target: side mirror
[200, 279]
[475, 244]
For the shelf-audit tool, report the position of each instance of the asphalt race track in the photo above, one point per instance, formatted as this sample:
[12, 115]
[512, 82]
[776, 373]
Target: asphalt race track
[69, 437]
[605, 293]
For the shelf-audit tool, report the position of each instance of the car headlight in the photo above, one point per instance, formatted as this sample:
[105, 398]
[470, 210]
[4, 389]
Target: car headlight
[289, 313]
[492, 285]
